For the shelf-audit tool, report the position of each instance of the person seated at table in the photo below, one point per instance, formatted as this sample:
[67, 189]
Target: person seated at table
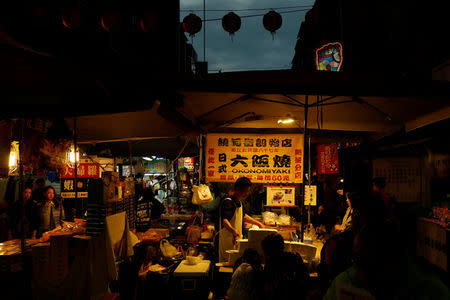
[347, 221]
[285, 273]
[23, 217]
[50, 210]
[383, 270]
[247, 277]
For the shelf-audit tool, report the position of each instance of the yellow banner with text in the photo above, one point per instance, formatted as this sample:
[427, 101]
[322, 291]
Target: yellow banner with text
[268, 158]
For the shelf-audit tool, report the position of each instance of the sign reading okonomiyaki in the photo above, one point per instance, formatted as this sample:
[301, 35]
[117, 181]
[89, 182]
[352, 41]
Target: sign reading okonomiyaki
[269, 158]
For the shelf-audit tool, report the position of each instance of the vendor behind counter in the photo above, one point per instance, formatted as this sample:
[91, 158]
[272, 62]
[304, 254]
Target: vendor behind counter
[232, 217]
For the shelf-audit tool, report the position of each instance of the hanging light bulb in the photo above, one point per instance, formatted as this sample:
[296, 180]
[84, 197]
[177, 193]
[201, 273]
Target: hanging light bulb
[71, 157]
[13, 157]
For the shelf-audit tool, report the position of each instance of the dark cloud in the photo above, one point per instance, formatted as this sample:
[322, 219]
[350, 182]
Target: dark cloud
[252, 46]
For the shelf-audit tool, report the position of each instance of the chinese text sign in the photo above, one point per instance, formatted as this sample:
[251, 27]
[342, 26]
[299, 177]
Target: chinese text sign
[327, 159]
[84, 170]
[270, 158]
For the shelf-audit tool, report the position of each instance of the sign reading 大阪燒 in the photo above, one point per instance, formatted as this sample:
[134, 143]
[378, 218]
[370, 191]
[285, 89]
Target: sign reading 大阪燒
[270, 158]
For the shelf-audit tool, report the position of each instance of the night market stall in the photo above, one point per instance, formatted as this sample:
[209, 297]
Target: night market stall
[263, 125]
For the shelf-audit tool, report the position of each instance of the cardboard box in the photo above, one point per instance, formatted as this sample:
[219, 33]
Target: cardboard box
[41, 260]
[110, 186]
[59, 256]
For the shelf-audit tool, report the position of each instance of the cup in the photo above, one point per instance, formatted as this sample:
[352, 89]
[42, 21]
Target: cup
[192, 260]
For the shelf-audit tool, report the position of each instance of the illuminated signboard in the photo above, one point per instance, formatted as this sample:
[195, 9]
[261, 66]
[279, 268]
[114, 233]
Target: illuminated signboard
[269, 158]
[188, 163]
[329, 57]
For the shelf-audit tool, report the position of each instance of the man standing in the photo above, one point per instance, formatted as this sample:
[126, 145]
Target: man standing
[379, 185]
[232, 217]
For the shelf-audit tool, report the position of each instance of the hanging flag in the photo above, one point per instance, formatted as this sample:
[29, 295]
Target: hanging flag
[327, 159]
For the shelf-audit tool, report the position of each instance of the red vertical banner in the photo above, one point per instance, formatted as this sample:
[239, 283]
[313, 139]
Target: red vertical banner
[327, 159]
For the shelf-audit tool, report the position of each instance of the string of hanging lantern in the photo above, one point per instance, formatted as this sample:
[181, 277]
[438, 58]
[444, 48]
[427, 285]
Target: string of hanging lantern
[248, 9]
[231, 22]
[112, 21]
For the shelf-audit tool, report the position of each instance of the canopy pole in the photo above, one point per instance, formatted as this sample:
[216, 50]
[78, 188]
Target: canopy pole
[204, 30]
[131, 158]
[21, 185]
[304, 161]
[200, 163]
[78, 212]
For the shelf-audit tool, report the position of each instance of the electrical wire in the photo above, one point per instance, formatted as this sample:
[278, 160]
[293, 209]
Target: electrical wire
[258, 15]
[248, 9]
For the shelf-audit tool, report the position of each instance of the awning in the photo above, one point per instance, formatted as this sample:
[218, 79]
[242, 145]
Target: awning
[336, 101]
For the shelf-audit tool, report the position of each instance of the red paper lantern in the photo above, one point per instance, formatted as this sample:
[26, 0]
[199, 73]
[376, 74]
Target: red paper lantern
[149, 22]
[231, 23]
[192, 24]
[111, 21]
[272, 21]
[71, 18]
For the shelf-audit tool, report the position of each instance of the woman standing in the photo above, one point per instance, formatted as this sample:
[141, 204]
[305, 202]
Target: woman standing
[347, 221]
[51, 211]
[22, 217]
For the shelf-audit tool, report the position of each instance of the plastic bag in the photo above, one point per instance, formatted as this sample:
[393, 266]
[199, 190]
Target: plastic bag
[167, 249]
[202, 195]
[193, 234]
[284, 220]
[269, 218]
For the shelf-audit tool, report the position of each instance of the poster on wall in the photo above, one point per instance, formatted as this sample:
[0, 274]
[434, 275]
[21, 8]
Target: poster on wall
[403, 177]
[327, 159]
[280, 196]
[311, 195]
[269, 158]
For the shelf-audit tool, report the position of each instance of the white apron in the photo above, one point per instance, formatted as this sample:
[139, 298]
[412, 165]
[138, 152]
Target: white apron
[226, 237]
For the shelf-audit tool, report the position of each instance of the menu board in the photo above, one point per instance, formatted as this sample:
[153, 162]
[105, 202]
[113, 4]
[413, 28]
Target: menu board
[311, 195]
[403, 177]
[280, 196]
[268, 158]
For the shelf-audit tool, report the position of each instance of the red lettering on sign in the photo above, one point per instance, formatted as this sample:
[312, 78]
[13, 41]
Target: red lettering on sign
[211, 151]
[210, 173]
[286, 178]
[223, 177]
[230, 177]
[267, 177]
[211, 159]
[84, 170]
[260, 177]
[298, 152]
[298, 160]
